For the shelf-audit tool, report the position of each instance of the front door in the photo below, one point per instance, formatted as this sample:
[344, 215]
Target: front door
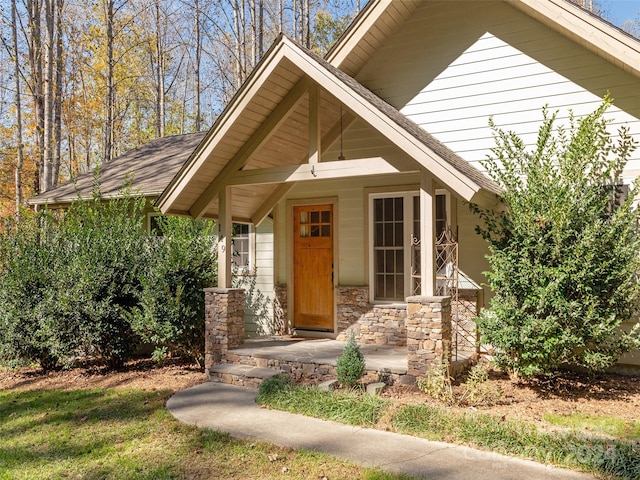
[313, 267]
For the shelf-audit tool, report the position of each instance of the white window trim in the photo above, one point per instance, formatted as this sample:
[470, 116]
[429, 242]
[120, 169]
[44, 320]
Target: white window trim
[408, 196]
[249, 269]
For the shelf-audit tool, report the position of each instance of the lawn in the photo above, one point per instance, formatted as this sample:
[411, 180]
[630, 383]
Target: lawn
[123, 433]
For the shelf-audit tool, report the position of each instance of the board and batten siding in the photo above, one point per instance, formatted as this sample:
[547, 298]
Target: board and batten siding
[477, 60]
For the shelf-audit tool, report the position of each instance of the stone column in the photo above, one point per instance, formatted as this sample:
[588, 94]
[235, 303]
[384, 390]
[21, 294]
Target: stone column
[224, 323]
[428, 333]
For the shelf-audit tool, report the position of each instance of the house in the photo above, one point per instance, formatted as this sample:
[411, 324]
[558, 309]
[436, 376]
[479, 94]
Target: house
[150, 168]
[364, 157]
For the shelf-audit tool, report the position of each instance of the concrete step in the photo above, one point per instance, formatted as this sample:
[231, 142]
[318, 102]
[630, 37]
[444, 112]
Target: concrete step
[243, 375]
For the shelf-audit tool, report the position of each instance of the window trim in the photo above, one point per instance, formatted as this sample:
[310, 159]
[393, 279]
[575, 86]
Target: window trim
[245, 270]
[408, 195]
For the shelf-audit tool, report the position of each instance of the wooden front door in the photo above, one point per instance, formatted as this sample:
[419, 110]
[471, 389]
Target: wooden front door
[313, 267]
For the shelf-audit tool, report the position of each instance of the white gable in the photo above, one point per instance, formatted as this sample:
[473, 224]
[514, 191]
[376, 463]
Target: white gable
[493, 78]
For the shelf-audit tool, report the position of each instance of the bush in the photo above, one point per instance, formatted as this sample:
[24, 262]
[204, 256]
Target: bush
[437, 383]
[564, 258]
[101, 246]
[88, 281]
[274, 386]
[26, 266]
[350, 366]
[178, 264]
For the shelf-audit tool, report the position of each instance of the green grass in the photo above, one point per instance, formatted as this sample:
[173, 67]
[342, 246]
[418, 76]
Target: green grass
[599, 424]
[345, 406]
[610, 458]
[128, 434]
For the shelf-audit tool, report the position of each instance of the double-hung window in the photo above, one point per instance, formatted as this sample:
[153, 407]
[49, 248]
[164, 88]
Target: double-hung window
[394, 233]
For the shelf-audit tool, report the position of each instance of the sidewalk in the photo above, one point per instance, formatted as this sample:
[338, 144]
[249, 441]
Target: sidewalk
[232, 409]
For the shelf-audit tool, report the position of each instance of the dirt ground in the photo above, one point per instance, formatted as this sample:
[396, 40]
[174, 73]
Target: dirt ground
[568, 392]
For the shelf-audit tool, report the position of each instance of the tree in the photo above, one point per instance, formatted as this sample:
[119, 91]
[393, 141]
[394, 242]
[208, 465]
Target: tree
[565, 251]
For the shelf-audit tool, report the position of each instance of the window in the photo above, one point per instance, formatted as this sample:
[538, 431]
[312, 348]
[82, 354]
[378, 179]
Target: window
[241, 246]
[394, 231]
[153, 226]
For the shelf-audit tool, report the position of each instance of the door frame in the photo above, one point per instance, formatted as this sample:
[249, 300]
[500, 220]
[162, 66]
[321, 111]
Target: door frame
[299, 202]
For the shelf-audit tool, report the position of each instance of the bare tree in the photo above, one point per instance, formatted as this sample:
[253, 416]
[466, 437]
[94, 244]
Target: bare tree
[18, 100]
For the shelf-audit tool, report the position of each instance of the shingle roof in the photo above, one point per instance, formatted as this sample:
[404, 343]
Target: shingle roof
[152, 166]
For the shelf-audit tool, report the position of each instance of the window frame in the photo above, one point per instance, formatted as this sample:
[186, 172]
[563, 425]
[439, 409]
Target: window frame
[408, 196]
[244, 269]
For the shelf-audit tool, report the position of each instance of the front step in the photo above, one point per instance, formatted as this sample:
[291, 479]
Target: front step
[244, 375]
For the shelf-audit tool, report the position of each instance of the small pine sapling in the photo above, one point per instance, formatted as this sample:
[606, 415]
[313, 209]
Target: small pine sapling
[350, 366]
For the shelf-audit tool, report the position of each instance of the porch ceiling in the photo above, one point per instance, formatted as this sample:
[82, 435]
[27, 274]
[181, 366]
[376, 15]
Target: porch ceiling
[266, 128]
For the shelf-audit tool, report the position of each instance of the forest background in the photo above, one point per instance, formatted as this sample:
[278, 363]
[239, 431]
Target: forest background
[82, 82]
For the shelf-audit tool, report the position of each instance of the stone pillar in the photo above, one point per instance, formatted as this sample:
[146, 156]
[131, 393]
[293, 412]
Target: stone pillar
[428, 333]
[224, 323]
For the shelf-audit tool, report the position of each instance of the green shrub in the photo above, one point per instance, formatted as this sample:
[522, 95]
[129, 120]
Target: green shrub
[350, 366]
[102, 245]
[89, 281]
[477, 390]
[177, 265]
[27, 261]
[564, 260]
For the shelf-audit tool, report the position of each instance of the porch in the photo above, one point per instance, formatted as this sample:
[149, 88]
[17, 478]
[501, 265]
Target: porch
[313, 361]
[231, 358]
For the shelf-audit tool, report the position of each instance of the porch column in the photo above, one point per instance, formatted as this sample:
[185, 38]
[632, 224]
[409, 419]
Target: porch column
[224, 323]
[225, 233]
[428, 333]
[427, 235]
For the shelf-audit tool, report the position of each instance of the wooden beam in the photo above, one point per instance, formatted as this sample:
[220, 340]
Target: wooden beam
[319, 171]
[278, 194]
[257, 140]
[225, 232]
[314, 124]
[427, 235]
[329, 139]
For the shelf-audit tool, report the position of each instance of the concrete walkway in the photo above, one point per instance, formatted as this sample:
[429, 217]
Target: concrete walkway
[232, 409]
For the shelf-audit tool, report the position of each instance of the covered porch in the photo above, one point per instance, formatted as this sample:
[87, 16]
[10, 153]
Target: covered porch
[313, 360]
[352, 188]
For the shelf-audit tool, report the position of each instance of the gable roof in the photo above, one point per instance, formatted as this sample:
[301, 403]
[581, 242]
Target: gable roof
[152, 166]
[268, 111]
[379, 19]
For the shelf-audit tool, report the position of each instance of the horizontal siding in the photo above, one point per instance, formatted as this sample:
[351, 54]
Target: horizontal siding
[487, 59]
[351, 216]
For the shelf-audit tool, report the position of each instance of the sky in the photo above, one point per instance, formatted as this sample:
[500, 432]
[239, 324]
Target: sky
[618, 11]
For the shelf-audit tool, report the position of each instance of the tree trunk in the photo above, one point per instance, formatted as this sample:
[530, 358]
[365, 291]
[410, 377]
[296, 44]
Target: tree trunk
[57, 131]
[18, 99]
[197, 65]
[110, 88]
[34, 8]
[160, 68]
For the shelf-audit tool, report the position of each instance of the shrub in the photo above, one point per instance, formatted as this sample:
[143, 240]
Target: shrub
[350, 366]
[564, 259]
[437, 383]
[175, 268]
[102, 245]
[27, 259]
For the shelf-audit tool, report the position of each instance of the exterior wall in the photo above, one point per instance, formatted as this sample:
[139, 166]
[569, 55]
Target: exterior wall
[259, 319]
[371, 324]
[472, 250]
[485, 59]
[351, 230]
